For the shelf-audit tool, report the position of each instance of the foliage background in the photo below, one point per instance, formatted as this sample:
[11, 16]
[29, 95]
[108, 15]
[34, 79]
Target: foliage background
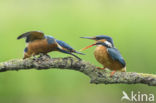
[131, 23]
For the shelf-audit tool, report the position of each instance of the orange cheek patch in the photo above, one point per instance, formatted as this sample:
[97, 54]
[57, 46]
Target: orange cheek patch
[102, 40]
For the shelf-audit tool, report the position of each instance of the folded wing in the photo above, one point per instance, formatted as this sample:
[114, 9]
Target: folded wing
[67, 47]
[115, 55]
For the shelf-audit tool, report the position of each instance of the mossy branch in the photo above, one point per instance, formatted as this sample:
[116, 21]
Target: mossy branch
[97, 76]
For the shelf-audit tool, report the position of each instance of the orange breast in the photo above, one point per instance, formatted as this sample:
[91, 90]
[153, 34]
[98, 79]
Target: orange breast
[103, 57]
[40, 46]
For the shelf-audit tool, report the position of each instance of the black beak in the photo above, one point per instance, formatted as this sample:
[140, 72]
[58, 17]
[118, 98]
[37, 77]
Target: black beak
[92, 38]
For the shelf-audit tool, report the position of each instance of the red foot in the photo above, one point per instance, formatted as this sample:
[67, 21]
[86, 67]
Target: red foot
[112, 73]
[100, 68]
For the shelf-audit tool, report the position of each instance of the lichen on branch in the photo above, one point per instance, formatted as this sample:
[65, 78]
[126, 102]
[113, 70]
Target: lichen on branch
[97, 76]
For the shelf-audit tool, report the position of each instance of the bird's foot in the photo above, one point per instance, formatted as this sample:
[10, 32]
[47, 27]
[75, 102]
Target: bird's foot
[112, 73]
[100, 68]
[44, 55]
[34, 58]
[41, 55]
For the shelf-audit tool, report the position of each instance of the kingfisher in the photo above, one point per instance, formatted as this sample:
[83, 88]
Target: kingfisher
[106, 54]
[39, 43]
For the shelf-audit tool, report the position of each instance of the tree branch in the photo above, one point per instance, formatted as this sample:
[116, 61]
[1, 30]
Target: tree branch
[97, 76]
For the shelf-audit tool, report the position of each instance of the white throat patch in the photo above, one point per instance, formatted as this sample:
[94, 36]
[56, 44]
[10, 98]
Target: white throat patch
[108, 43]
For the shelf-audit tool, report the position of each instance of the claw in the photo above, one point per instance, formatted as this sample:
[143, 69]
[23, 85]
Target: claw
[112, 73]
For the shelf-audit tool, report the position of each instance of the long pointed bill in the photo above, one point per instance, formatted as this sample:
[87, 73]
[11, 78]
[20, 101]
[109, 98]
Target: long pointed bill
[92, 38]
[87, 47]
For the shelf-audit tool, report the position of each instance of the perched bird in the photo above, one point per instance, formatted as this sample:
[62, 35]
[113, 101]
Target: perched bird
[38, 43]
[106, 54]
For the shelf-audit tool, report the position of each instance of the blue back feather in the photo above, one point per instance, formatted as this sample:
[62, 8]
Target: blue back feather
[50, 39]
[115, 54]
[64, 45]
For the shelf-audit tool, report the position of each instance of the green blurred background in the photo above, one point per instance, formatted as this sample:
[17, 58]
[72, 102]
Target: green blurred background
[131, 23]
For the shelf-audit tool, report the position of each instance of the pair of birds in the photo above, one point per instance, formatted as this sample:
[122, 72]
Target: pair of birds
[105, 52]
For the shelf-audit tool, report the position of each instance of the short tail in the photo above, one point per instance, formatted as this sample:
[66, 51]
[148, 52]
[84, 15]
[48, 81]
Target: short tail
[75, 56]
[78, 52]
[63, 51]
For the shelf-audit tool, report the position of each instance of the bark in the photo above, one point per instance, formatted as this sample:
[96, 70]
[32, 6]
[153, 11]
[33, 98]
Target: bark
[97, 76]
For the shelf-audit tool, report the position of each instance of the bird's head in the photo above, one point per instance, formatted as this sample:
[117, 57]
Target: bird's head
[101, 42]
[101, 37]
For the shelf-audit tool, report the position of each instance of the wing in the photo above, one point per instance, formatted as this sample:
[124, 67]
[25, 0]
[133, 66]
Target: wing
[32, 35]
[115, 55]
[50, 39]
[67, 47]
[67, 52]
